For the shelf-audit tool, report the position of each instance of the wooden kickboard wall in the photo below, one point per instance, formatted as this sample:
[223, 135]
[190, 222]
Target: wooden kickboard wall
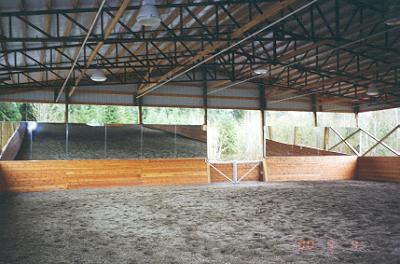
[28, 176]
[312, 168]
[378, 169]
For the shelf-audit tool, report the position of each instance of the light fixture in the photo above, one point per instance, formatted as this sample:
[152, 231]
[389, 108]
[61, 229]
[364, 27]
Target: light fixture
[372, 90]
[32, 126]
[394, 21]
[98, 76]
[148, 14]
[260, 71]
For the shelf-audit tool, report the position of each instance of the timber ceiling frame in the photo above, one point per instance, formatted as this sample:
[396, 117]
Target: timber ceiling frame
[333, 49]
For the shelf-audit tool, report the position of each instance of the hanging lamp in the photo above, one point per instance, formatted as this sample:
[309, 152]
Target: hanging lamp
[98, 76]
[148, 14]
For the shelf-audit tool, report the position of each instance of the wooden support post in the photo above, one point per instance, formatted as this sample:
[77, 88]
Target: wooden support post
[295, 135]
[315, 119]
[356, 111]
[270, 132]
[140, 114]
[314, 108]
[208, 172]
[265, 173]
[326, 138]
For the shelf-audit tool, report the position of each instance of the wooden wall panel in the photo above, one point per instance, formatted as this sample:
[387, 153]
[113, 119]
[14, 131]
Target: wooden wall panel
[13, 145]
[46, 175]
[274, 148]
[227, 169]
[378, 169]
[310, 168]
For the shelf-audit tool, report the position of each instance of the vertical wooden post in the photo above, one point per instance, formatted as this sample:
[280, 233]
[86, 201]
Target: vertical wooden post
[315, 119]
[208, 171]
[314, 108]
[235, 171]
[140, 114]
[356, 111]
[270, 132]
[265, 171]
[326, 138]
[295, 135]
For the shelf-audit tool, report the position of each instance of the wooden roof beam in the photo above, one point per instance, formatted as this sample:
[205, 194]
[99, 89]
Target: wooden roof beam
[273, 10]
[107, 33]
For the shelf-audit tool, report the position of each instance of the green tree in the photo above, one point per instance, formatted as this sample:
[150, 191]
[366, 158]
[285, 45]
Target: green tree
[9, 112]
[27, 112]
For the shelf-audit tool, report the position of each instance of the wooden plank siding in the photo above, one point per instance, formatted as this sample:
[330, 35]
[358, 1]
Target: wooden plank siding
[47, 175]
[378, 169]
[10, 150]
[310, 168]
[274, 148]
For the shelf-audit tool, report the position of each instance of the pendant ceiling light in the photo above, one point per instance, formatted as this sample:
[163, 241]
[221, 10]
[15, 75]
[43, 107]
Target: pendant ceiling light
[98, 76]
[394, 21]
[148, 14]
[260, 71]
[372, 90]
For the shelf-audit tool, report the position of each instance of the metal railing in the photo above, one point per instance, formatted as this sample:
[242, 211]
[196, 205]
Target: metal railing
[235, 178]
[344, 140]
[323, 136]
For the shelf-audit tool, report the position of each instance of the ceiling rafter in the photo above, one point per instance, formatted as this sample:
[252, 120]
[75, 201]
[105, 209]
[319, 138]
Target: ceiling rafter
[107, 33]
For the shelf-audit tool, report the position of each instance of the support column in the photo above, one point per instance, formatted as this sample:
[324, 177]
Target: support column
[235, 171]
[295, 135]
[360, 142]
[356, 111]
[326, 138]
[205, 100]
[140, 114]
[262, 105]
[66, 120]
[66, 113]
[314, 108]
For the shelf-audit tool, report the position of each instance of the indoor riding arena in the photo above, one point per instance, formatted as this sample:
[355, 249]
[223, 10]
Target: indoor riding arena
[160, 131]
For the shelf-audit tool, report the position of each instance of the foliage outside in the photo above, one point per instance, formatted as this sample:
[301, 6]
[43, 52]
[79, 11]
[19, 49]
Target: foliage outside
[232, 134]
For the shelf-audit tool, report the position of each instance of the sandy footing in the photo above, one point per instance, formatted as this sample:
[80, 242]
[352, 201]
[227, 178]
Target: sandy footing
[331, 222]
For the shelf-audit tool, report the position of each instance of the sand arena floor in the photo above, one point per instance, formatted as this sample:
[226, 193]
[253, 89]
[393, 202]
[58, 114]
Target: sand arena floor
[331, 222]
